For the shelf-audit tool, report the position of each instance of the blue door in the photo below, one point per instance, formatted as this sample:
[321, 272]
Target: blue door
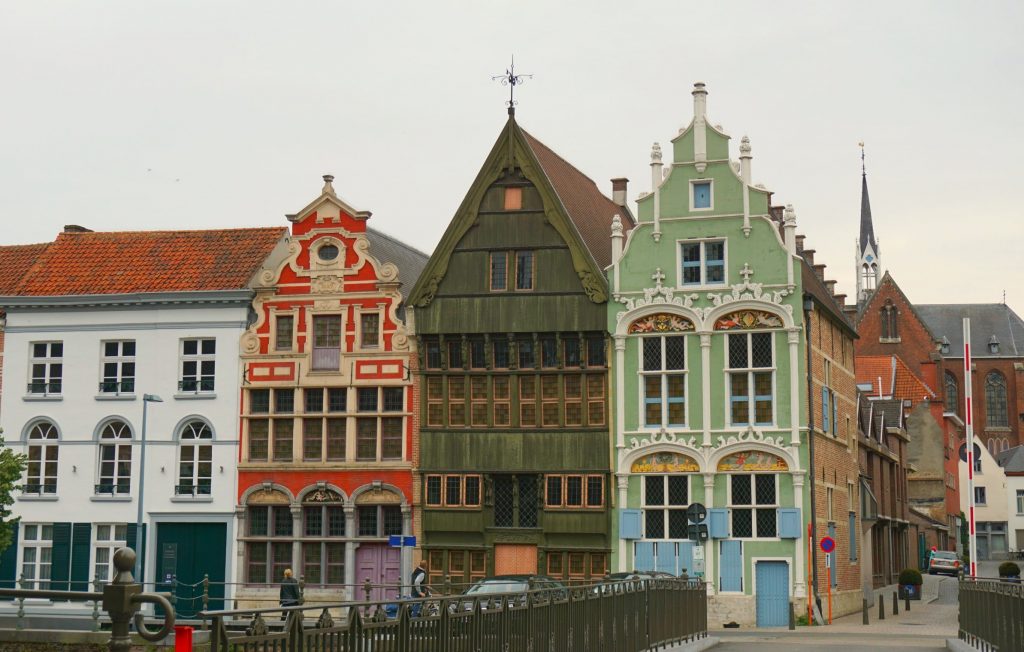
[772, 589]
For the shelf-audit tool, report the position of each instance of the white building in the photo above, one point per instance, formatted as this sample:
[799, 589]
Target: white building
[990, 504]
[1012, 462]
[123, 347]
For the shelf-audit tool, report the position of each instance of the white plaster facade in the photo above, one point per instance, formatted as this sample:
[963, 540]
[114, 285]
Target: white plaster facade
[990, 516]
[157, 324]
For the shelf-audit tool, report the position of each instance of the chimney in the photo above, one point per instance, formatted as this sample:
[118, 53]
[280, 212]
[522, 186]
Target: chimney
[840, 299]
[831, 287]
[800, 243]
[619, 190]
[808, 255]
[74, 228]
[819, 271]
[700, 100]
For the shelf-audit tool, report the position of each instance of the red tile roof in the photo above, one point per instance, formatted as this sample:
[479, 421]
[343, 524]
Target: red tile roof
[871, 368]
[590, 210]
[123, 262]
[15, 260]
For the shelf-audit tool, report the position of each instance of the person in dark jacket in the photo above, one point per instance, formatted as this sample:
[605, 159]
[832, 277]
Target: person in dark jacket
[290, 594]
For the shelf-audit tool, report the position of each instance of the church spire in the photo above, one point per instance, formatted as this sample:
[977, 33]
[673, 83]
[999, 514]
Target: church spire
[869, 264]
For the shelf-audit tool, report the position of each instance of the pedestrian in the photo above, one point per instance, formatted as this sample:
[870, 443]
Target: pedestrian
[419, 576]
[290, 595]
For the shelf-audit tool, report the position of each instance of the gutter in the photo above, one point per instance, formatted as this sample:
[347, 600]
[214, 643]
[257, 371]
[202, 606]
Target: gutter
[808, 306]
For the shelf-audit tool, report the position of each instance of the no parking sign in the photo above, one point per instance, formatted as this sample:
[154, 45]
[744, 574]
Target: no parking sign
[828, 544]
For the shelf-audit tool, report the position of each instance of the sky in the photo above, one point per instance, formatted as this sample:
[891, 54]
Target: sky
[212, 113]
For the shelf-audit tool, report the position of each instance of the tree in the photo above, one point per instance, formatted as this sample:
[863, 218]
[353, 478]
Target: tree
[12, 465]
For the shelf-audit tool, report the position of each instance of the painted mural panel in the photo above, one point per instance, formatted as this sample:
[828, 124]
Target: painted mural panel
[747, 320]
[665, 462]
[752, 461]
[661, 323]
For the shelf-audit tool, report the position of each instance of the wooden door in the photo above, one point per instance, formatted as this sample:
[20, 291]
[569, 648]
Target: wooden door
[515, 559]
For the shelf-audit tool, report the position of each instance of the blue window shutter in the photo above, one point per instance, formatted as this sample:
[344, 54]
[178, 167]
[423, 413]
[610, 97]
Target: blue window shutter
[61, 557]
[81, 535]
[835, 415]
[835, 555]
[9, 560]
[666, 561]
[789, 523]
[643, 558]
[718, 523]
[825, 411]
[685, 558]
[731, 562]
[629, 524]
[853, 536]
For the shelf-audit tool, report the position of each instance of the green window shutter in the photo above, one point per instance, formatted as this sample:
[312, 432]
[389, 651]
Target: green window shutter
[59, 571]
[825, 412]
[9, 560]
[81, 547]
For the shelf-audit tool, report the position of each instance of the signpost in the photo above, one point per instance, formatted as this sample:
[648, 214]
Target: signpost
[969, 423]
[697, 530]
[828, 546]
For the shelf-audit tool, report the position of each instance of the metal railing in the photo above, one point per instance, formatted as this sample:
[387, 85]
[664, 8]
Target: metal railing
[628, 616]
[992, 614]
[196, 385]
[44, 387]
[126, 386]
[121, 600]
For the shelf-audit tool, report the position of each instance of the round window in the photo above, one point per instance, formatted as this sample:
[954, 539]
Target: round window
[327, 252]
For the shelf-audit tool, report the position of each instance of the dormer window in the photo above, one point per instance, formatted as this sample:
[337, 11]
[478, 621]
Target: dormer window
[944, 345]
[993, 345]
[327, 252]
[701, 195]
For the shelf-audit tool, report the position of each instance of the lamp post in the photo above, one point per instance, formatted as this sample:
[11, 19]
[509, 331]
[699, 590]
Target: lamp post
[139, 552]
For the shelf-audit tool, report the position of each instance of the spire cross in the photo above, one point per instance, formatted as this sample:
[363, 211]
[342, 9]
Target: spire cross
[746, 272]
[511, 79]
[657, 277]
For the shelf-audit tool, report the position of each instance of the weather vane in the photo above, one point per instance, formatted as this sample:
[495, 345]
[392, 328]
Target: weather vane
[511, 79]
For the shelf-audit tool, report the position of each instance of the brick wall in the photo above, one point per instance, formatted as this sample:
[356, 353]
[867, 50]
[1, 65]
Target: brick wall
[915, 345]
[836, 468]
[1013, 371]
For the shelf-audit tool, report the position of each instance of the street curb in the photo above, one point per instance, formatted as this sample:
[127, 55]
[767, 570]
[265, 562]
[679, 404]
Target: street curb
[694, 646]
[957, 645]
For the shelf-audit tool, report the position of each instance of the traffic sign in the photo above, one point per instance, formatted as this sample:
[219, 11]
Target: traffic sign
[963, 452]
[698, 553]
[696, 513]
[828, 544]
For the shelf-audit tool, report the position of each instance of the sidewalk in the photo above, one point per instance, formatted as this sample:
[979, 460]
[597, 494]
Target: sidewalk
[936, 614]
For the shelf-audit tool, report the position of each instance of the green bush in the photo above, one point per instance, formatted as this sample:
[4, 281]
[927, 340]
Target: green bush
[1009, 569]
[910, 576]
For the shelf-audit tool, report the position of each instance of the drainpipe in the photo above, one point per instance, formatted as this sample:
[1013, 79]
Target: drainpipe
[808, 306]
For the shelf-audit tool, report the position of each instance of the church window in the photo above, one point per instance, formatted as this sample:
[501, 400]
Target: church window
[995, 400]
[890, 321]
[702, 263]
[952, 392]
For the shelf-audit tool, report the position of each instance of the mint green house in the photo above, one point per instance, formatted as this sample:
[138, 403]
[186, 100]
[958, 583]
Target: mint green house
[708, 381]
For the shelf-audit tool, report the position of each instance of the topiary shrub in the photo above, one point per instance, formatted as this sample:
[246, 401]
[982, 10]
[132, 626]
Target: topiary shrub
[910, 576]
[1009, 569]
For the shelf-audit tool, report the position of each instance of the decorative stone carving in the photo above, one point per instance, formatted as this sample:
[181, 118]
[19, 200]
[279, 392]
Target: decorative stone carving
[662, 437]
[751, 435]
[664, 462]
[250, 343]
[388, 272]
[661, 323]
[747, 319]
[325, 621]
[322, 495]
[752, 461]
[592, 287]
[327, 304]
[659, 294]
[747, 291]
[327, 284]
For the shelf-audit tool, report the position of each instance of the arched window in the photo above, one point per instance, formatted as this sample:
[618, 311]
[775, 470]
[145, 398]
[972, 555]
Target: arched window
[952, 393]
[995, 400]
[890, 325]
[268, 537]
[115, 459]
[195, 460]
[323, 538]
[41, 476]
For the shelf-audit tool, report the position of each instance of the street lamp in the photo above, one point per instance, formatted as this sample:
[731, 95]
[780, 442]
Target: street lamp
[139, 553]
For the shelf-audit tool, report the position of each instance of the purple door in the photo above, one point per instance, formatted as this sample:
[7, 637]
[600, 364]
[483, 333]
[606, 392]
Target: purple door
[381, 564]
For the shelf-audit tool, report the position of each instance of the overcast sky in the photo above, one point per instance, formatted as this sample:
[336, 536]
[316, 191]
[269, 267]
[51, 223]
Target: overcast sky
[199, 114]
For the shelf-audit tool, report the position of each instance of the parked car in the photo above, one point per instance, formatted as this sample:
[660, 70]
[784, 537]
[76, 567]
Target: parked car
[944, 562]
[513, 588]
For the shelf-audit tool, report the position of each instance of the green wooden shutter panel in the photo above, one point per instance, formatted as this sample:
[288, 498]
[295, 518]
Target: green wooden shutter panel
[61, 565]
[81, 547]
[9, 560]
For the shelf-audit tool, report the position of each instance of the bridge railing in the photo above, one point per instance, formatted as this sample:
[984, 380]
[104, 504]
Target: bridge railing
[626, 616]
[992, 614]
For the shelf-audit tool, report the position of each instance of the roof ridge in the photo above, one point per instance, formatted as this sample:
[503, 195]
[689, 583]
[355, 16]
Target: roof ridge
[398, 242]
[173, 231]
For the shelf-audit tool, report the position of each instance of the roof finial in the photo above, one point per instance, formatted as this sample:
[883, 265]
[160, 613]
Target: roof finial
[511, 79]
[328, 188]
[863, 170]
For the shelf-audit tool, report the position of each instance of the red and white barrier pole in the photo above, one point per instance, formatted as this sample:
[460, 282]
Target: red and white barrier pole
[969, 422]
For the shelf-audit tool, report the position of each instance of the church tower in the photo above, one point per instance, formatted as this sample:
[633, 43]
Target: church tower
[869, 261]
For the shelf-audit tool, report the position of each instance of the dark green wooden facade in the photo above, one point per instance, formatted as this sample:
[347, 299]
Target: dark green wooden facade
[514, 458]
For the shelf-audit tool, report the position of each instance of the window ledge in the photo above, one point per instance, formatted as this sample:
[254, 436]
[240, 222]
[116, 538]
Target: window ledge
[42, 397]
[889, 340]
[195, 397]
[110, 499]
[115, 397]
[39, 497]
[191, 499]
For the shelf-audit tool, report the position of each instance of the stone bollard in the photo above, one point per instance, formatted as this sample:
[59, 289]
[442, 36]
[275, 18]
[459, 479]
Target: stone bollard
[895, 603]
[792, 616]
[881, 606]
[906, 602]
[367, 590]
[865, 610]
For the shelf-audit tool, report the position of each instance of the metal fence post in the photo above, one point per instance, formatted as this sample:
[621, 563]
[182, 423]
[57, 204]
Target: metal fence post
[881, 606]
[206, 597]
[97, 587]
[117, 600]
[895, 603]
[21, 605]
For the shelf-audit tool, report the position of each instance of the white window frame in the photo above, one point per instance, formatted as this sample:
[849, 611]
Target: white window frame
[311, 342]
[665, 507]
[49, 378]
[983, 495]
[753, 506]
[119, 443]
[41, 547]
[378, 415]
[198, 358]
[361, 342]
[47, 442]
[750, 371]
[693, 195]
[273, 330]
[664, 373]
[702, 242]
[1020, 509]
[110, 545]
[197, 435]
[115, 386]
